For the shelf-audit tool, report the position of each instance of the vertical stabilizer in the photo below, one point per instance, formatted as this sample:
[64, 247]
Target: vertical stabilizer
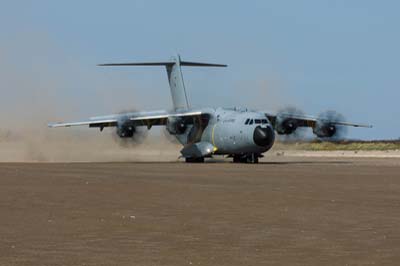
[177, 85]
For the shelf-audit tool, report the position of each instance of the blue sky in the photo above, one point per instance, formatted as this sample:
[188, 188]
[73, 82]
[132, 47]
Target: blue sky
[316, 55]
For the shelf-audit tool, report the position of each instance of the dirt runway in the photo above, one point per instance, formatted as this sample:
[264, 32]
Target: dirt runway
[281, 212]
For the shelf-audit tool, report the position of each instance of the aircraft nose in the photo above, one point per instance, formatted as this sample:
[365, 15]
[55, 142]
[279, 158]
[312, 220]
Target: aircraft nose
[263, 136]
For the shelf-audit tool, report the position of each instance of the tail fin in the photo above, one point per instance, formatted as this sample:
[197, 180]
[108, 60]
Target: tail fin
[175, 77]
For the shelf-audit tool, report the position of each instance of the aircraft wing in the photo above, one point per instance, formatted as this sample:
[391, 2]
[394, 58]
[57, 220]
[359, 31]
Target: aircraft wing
[149, 119]
[90, 123]
[309, 121]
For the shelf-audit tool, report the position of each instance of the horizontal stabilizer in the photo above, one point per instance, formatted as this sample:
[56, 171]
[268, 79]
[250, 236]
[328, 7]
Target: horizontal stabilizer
[175, 77]
[186, 63]
[139, 64]
[168, 63]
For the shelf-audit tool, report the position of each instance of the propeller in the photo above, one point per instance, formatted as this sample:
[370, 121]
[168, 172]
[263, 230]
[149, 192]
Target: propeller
[190, 131]
[127, 134]
[326, 128]
[174, 127]
[287, 126]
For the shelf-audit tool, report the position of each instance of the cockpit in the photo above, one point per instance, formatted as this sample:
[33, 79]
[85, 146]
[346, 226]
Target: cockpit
[250, 121]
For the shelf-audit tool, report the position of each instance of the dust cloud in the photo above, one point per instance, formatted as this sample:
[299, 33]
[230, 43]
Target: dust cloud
[39, 84]
[72, 145]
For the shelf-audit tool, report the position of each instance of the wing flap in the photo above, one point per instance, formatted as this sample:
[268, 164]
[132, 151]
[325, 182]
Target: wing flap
[161, 119]
[164, 116]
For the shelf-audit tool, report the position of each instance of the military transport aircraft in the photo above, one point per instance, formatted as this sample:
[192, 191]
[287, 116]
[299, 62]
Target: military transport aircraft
[240, 133]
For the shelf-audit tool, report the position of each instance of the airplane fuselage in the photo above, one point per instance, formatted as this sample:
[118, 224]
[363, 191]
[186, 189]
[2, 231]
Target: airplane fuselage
[237, 131]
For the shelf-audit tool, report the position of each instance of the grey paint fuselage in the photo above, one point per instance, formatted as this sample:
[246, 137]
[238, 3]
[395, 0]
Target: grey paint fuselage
[227, 132]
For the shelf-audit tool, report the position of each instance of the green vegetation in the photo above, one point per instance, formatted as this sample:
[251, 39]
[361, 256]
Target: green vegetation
[376, 145]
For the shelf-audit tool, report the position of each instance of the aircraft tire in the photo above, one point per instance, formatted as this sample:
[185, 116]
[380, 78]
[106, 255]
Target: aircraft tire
[195, 160]
[251, 158]
[255, 159]
[237, 159]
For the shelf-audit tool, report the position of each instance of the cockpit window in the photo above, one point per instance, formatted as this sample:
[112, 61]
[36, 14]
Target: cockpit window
[255, 121]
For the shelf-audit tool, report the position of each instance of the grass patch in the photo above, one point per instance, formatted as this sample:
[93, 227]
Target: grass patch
[350, 145]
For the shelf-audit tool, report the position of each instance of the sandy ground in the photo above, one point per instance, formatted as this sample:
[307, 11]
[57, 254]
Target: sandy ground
[338, 154]
[63, 146]
[285, 211]
[84, 146]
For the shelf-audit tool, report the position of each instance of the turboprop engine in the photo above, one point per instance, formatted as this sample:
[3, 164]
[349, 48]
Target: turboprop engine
[127, 132]
[286, 126]
[176, 126]
[325, 126]
[324, 130]
[285, 123]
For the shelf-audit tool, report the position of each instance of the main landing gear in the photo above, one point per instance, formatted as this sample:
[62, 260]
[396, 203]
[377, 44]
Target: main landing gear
[195, 160]
[237, 158]
[246, 158]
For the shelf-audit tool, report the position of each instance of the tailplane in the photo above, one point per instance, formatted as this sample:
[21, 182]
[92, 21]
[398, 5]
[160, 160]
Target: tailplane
[175, 77]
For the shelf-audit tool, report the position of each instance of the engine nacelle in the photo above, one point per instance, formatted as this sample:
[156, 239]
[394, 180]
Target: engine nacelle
[286, 126]
[125, 130]
[176, 126]
[324, 130]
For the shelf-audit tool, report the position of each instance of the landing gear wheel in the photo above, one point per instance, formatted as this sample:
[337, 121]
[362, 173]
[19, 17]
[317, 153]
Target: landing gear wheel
[255, 159]
[237, 159]
[195, 160]
[250, 158]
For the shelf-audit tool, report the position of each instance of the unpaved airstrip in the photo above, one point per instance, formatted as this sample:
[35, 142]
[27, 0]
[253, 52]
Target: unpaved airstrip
[283, 211]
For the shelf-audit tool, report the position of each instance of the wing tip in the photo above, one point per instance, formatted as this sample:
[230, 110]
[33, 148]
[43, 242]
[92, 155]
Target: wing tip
[364, 125]
[55, 125]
